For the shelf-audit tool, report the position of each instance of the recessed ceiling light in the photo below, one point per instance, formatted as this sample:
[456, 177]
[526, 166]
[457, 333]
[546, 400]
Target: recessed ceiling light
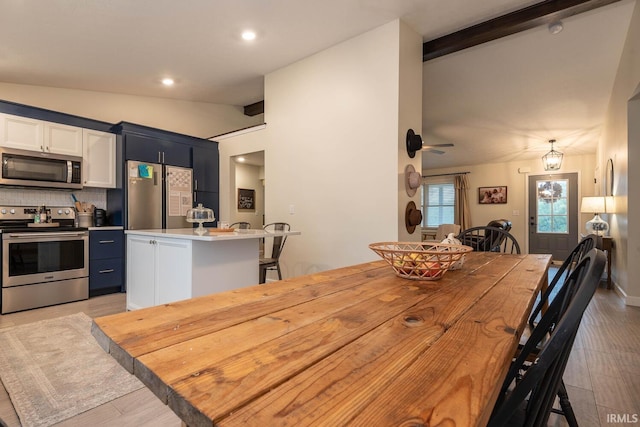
[167, 81]
[240, 159]
[248, 35]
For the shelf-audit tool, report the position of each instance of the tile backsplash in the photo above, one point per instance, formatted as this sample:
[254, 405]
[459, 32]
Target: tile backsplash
[35, 197]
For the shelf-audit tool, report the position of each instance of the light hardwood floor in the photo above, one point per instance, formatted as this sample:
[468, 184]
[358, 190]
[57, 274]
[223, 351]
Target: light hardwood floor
[602, 377]
[140, 408]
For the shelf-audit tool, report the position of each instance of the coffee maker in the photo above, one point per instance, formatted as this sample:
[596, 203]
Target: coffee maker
[99, 217]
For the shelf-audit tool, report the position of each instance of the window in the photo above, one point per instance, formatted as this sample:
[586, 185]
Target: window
[552, 206]
[438, 202]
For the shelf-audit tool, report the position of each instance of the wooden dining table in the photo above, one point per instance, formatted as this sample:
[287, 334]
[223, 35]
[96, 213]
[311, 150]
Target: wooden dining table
[353, 346]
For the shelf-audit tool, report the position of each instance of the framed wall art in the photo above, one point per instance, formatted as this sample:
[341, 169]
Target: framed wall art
[492, 195]
[246, 199]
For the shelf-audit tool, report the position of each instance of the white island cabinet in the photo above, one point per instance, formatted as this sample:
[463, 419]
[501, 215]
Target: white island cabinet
[169, 265]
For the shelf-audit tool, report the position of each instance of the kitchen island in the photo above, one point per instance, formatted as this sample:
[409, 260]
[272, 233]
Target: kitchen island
[168, 265]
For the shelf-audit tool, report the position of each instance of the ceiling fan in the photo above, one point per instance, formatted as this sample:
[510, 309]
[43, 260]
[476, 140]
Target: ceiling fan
[415, 143]
[434, 148]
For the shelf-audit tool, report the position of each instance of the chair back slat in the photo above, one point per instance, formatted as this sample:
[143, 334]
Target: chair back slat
[242, 225]
[278, 241]
[564, 272]
[489, 239]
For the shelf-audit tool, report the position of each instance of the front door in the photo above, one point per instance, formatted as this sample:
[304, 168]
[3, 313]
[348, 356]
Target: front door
[553, 214]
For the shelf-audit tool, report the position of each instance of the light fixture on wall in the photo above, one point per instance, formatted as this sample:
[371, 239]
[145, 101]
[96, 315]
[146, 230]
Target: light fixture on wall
[556, 27]
[553, 159]
[596, 206]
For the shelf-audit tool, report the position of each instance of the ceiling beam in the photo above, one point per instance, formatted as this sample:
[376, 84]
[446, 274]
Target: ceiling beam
[538, 14]
[254, 109]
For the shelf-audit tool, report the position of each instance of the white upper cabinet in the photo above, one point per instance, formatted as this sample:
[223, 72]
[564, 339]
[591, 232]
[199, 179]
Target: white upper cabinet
[99, 159]
[21, 132]
[38, 135]
[62, 139]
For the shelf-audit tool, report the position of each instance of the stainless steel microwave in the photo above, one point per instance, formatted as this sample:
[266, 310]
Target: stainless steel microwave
[33, 169]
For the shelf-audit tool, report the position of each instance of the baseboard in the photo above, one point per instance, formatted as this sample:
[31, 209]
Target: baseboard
[632, 301]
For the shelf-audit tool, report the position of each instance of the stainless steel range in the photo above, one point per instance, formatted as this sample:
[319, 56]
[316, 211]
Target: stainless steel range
[43, 263]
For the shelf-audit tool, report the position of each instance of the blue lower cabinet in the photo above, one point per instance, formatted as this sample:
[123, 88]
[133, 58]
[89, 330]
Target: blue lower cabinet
[106, 261]
[105, 273]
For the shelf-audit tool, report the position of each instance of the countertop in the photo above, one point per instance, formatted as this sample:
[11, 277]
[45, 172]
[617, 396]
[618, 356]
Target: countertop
[211, 235]
[107, 227]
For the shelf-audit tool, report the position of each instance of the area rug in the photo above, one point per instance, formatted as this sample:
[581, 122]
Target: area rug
[54, 369]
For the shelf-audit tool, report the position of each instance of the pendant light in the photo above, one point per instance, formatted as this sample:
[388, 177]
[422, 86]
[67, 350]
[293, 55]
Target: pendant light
[553, 159]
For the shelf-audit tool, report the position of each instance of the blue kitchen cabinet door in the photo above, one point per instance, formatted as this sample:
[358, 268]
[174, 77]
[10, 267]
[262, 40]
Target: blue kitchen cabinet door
[206, 168]
[106, 261]
[154, 150]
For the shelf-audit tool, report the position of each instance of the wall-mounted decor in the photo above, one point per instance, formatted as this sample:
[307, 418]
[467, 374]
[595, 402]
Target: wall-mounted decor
[412, 180]
[246, 199]
[608, 178]
[414, 143]
[492, 195]
[412, 217]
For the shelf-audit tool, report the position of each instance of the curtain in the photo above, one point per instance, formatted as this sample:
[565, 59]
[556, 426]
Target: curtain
[463, 210]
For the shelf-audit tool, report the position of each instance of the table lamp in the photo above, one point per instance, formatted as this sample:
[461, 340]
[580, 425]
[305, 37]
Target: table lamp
[595, 205]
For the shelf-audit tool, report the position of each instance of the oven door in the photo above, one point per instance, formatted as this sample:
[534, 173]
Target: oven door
[29, 258]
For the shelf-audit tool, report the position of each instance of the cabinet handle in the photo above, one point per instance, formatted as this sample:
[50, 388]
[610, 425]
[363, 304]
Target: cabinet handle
[159, 161]
[195, 185]
[42, 147]
[106, 241]
[110, 270]
[163, 157]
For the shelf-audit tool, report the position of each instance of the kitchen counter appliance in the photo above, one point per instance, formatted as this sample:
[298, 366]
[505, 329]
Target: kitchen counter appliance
[33, 169]
[42, 263]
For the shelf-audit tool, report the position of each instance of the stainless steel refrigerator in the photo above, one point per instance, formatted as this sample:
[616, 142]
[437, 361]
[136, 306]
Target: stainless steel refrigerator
[158, 196]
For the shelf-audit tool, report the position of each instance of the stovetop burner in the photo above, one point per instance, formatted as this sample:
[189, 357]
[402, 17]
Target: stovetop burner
[20, 219]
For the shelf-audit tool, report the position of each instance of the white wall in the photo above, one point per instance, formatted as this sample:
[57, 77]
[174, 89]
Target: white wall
[501, 174]
[198, 119]
[620, 144]
[334, 137]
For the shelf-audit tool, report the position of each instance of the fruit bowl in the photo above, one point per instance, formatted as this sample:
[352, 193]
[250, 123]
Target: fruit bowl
[420, 260]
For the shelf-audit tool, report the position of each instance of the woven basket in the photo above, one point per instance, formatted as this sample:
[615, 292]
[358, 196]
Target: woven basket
[420, 260]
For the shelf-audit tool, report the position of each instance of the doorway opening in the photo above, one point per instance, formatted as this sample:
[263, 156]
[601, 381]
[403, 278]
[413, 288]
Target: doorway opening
[248, 189]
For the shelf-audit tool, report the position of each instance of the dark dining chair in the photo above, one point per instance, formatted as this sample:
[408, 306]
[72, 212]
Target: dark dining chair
[505, 224]
[561, 276]
[529, 389]
[489, 239]
[273, 262]
[242, 225]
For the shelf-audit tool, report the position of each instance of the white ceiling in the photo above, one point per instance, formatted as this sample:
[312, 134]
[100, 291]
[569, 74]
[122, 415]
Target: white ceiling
[494, 102]
[505, 99]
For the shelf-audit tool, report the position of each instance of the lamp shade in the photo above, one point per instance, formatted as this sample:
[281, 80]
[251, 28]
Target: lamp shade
[593, 205]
